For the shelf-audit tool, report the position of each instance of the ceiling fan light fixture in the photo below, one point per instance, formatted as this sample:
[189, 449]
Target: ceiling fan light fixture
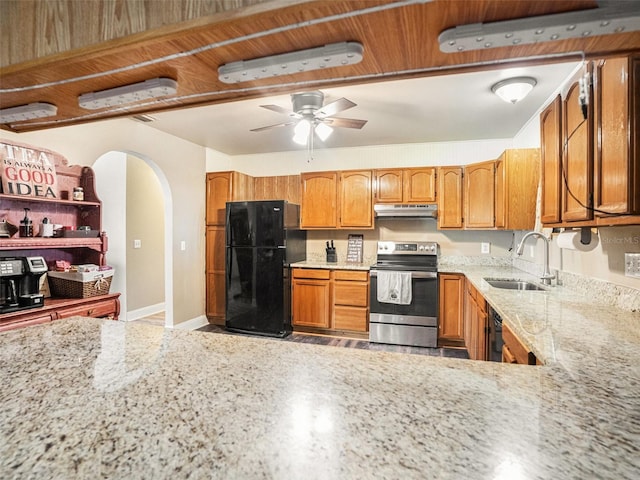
[323, 131]
[610, 18]
[331, 55]
[301, 132]
[113, 97]
[512, 90]
[27, 112]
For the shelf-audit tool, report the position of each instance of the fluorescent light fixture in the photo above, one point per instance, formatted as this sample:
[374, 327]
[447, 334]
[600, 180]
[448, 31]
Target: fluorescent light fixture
[613, 17]
[512, 90]
[301, 132]
[323, 131]
[156, 87]
[332, 55]
[27, 112]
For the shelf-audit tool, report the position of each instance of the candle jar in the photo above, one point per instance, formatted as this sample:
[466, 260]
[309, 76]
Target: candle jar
[78, 194]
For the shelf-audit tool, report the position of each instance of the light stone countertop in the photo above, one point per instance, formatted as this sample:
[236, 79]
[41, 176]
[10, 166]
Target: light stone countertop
[89, 398]
[331, 266]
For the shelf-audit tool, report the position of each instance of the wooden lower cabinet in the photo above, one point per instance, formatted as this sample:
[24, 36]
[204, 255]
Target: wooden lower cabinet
[476, 324]
[311, 298]
[103, 306]
[451, 306]
[330, 300]
[514, 351]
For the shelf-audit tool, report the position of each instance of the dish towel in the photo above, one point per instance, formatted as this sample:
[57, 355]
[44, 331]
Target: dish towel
[394, 287]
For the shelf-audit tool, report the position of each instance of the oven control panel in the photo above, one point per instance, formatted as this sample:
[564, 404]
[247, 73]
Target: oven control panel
[407, 248]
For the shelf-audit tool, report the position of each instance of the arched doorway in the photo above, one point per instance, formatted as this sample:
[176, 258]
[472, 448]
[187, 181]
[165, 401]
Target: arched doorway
[136, 216]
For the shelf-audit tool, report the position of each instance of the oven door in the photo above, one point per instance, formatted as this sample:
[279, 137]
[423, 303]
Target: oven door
[424, 293]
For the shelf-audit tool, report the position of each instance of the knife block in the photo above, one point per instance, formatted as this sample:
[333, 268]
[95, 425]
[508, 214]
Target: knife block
[332, 257]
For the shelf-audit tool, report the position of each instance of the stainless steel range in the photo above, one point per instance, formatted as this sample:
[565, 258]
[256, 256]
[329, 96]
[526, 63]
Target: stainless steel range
[404, 294]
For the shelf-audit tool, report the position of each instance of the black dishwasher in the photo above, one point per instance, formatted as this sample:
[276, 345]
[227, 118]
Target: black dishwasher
[495, 354]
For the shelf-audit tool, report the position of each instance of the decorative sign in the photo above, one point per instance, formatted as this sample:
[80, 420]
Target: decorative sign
[27, 171]
[354, 249]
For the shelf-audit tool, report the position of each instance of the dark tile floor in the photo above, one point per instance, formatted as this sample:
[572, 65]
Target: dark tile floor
[354, 343]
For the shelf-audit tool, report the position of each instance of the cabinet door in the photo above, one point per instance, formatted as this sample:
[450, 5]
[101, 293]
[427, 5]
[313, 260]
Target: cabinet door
[551, 154]
[241, 187]
[319, 203]
[500, 191]
[450, 197]
[479, 195]
[577, 161]
[218, 193]
[311, 303]
[451, 301]
[617, 172]
[389, 186]
[356, 209]
[215, 243]
[419, 185]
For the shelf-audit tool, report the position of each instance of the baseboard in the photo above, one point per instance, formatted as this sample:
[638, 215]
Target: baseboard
[192, 324]
[145, 311]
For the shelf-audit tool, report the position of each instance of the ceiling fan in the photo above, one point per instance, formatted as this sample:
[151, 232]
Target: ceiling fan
[309, 115]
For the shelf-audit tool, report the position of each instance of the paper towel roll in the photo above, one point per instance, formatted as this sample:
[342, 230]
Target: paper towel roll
[571, 241]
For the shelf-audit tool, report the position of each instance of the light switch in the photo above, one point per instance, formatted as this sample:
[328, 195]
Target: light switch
[137, 244]
[183, 245]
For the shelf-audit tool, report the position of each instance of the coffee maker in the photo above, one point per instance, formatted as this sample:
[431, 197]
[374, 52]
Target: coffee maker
[20, 283]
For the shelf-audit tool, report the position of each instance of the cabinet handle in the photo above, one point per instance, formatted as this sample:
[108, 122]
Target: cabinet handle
[90, 312]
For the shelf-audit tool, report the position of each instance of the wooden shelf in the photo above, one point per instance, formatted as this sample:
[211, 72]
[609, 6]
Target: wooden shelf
[57, 201]
[95, 243]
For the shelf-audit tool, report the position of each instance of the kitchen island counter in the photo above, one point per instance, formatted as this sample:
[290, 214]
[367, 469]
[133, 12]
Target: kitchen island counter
[90, 398]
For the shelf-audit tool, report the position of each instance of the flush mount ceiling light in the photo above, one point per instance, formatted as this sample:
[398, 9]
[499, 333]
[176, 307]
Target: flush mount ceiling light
[27, 112]
[512, 90]
[332, 55]
[156, 87]
[610, 18]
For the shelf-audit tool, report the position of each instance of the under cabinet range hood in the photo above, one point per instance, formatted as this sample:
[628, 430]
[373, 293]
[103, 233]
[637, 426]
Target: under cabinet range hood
[383, 210]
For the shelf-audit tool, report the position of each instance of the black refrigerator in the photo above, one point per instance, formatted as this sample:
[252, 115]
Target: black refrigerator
[262, 240]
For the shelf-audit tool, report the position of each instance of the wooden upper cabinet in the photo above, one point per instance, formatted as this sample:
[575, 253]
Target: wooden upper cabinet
[406, 185]
[617, 120]
[283, 187]
[450, 197]
[577, 159]
[550, 158]
[319, 200]
[389, 186]
[218, 193]
[356, 199]
[479, 195]
[419, 185]
[516, 186]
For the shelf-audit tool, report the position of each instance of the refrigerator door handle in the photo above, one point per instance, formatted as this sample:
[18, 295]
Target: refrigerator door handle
[282, 246]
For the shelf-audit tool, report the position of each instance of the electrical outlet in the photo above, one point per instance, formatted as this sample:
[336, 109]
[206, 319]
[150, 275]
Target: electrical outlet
[632, 264]
[137, 244]
[485, 247]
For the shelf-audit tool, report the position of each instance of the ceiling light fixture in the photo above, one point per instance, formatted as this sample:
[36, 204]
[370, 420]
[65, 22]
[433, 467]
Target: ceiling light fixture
[27, 112]
[610, 18]
[332, 55]
[512, 90]
[305, 129]
[156, 87]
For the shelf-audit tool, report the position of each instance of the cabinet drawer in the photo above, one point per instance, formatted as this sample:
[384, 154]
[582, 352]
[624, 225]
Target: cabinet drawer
[35, 320]
[354, 275]
[350, 318]
[355, 294]
[315, 273]
[98, 309]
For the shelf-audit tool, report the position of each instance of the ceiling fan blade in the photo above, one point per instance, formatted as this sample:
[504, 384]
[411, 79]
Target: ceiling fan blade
[279, 109]
[334, 107]
[345, 122]
[285, 124]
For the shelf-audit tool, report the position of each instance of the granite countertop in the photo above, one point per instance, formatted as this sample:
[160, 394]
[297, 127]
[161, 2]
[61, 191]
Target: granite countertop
[331, 266]
[87, 398]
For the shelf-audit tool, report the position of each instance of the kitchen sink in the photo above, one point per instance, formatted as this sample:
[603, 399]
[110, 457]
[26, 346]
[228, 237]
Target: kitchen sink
[513, 284]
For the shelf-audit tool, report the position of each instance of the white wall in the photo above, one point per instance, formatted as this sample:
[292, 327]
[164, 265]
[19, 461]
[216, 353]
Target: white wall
[183, 165]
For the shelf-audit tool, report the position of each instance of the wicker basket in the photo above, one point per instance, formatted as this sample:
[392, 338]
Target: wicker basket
[80, 285]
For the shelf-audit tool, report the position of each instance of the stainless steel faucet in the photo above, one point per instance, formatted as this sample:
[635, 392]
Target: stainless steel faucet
[547, 276]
